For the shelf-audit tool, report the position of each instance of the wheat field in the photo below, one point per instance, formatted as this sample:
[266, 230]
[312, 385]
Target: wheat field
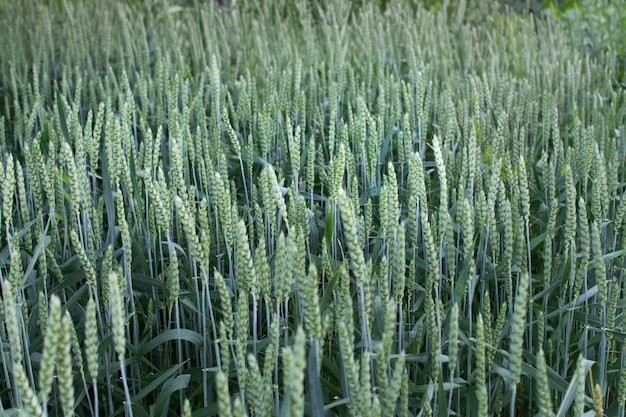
[312, 208]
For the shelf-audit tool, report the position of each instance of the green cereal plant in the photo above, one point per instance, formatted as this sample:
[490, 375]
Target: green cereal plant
[52, 350]
[43, 318]
[26, 394]
[367, 192]
[188, 223]
[584, 239]
[17, 270]
[161, 212]
[8, 188]
[294, 362]
[75, 188]
[570, 224]
[242, 324]
[172, 280]
[277, 194]
[91, 342]
[482, 394]
[508, 239]
[597, 400]
[346, 344]
[611, 318]
[393, 396]
[357, 259]
[336, 172]
[517, 331]
[450, 245]
[28, 398]
[392, 203]
[263, 270]
[262, 393]
[187, 408]
[32, 170]
[116, 305]
[84, 259]
[365, 390]
[23, 200]
[225, 347]
[238, 407]
[579, 380]
[118, 324]
[244, 265]
[221, 196]
[543, 389]
[282, 276]
[12, 321]
[492, 193]
[223, 396]
[387, 394]
[599, 266]
[453, 340]
[398, 262]
[66, 376]
[621, 390]
[311, 304]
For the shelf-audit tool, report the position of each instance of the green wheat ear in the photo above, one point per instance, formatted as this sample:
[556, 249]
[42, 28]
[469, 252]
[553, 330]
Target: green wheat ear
[116, 305]
[84, 260]
[482, 394]
[600, 267]
[543, 389]
[172, 283]
[310, 300]
[453, 340]
[187, 408]
[8, 188]
[91, 341]
[351, 233]
[223, 396]
[66, 378]
[295, 362]
[517, 329]
[12, 321]
[579, 380]
[51, 348]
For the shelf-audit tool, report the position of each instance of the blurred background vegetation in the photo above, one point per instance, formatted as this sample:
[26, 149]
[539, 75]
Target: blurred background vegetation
[600, 24]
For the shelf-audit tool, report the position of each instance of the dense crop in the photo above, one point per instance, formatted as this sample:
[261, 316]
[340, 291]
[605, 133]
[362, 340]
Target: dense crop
[287, 209]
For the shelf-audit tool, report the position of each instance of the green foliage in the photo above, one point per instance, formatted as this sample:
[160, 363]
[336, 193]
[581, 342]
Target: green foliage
[295, 207]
